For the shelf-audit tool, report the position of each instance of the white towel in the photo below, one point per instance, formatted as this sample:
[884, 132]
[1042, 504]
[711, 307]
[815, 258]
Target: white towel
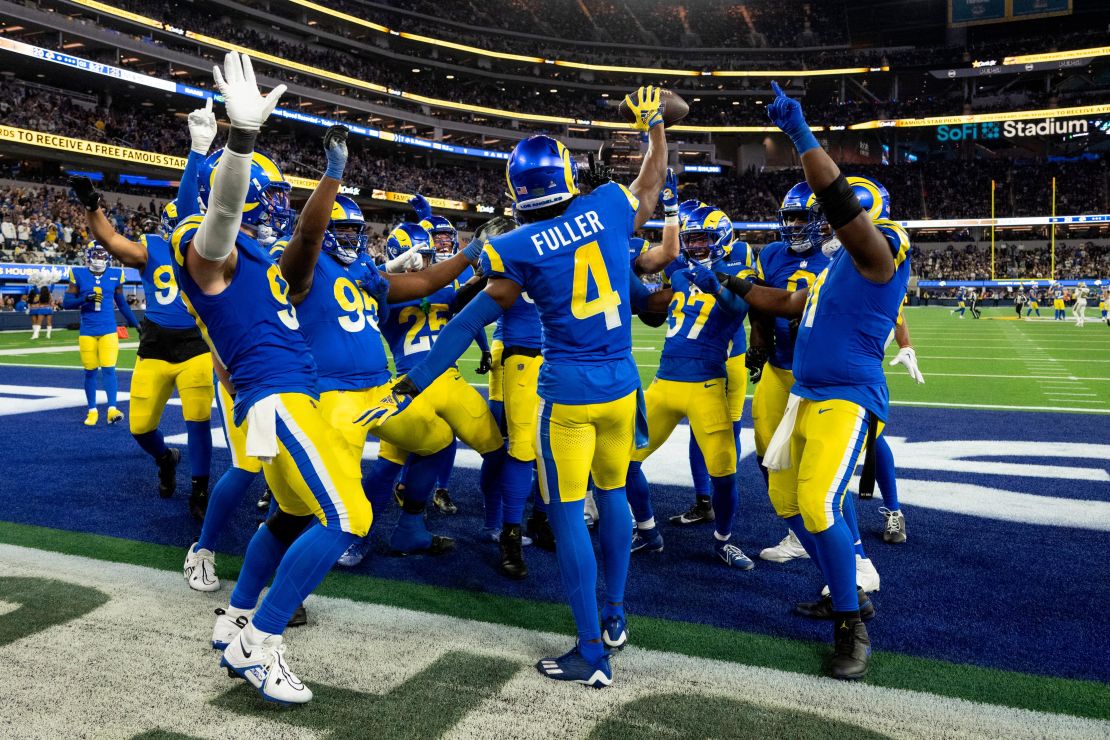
[262, 429]
[778, 449]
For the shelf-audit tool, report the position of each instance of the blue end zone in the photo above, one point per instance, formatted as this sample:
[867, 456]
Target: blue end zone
[968, 589]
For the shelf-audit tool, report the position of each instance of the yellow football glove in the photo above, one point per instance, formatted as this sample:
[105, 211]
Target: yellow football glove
[646, 104]
[397, 399]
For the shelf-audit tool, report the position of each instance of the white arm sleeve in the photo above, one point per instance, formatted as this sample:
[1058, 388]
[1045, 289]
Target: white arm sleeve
[217, 233]
[402, 262]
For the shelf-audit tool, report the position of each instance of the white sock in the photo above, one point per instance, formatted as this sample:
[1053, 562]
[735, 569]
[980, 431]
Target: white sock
[48, 330]
[253, 636]
[232, 612]
[35, 332]
[646, 524]
[722, 537]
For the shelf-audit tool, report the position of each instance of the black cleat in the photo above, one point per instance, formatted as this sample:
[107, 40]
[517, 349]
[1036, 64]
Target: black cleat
[823, 607]
[167, 472]
[700, 513]
[198, 499]
[440, 546]
[399, 493]
[539, 529]
[441, 499]
[264, 500]
[299, 618]
[851, 650]
[512, 553]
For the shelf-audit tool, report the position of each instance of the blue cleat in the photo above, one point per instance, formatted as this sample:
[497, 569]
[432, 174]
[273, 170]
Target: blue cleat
[573, 667]
[411, 537]
[647, 540]
[356, 553]
[614, 632]
[733, 556]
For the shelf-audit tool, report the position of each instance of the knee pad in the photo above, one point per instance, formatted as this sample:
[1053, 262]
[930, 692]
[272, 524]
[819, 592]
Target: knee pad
[286, 528]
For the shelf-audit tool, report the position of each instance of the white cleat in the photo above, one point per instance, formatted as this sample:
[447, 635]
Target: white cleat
[789, 549]
[200, 569]
[589, 510]
[264, 667]
[227, 628]
[867, 577]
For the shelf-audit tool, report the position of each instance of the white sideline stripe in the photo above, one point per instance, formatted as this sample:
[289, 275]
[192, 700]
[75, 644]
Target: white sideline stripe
[999, 359]
[55, 350]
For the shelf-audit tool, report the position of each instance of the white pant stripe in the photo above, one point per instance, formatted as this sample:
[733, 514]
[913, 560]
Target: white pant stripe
[317, 465]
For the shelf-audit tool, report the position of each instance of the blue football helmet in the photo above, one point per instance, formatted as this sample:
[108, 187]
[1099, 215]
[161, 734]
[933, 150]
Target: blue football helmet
[705, 235]
[345, 237]
[96, 258]
[800, 201]
[686, 207]
[445, 237]
[541, 173]
[407, 235]
[266, 207]
[170, 218]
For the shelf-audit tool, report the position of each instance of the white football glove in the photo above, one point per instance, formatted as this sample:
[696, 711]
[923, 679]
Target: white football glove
[246, 107]
[202, 128]
[908, 358]
[406, 261]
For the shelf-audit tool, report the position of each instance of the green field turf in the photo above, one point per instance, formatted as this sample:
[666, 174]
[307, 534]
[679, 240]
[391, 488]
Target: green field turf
[990, 363]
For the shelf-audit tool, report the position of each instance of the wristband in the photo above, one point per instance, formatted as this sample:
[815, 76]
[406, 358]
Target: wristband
[241, 140]
[804, 140]
[739, 286]
[839, 202]
[670, 219]
[335, 169]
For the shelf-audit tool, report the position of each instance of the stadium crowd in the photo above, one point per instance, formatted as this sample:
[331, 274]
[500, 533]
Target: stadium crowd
[1016, 260]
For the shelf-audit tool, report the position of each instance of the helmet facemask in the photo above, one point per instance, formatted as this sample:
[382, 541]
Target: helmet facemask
[697, 246]
[446, 243]
[96, 259]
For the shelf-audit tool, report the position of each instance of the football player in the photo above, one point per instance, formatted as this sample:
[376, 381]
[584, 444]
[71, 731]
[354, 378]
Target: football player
[571, 255]
[172, 352]
[97, 337]
[1034, 301]
[240, 300]
[1104, 305]
[1079, 308]
[839, 399]
[961, 302]
[1057, 302]
[691, 381]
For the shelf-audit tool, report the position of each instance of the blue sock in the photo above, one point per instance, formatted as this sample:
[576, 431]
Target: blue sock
[200, 448]
[111, 384]
[263, 555]
[90, 388]
[885, 475]
[578, 567]
[490, 483]
[725, 502]
[839, 563]
[411, 533]
[615, 538]
[497, 408]
[850, 520]
[798, 527]
[225, 498]
[378, 483]
[422, 475]
[446, 465]
[698, 471]
[304, 565]
[152, 443]
[638, 494]
[516, 486]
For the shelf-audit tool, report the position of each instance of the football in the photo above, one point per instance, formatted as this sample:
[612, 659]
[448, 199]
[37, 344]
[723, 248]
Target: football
[674, 108]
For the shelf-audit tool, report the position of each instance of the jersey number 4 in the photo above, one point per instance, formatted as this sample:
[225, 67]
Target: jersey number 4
[589, 267]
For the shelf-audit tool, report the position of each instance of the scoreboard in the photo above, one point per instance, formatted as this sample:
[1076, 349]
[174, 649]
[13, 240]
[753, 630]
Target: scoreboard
[973, 12]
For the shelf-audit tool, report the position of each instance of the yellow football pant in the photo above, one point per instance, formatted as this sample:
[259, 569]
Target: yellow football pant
[522, 400]
[705, 405]
[235, 436]
[496, 375]
[459, 408]
[575, 441]
[97, 352]
[828, 440]
[421, 433]
[737, 385]
[153, 382]
[769, 403]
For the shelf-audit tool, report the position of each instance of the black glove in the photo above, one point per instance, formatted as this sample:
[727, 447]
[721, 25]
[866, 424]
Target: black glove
[86, 194]
[485, 364]
[737, 285]
[754, 360]
[406, 387]
[494, 227]
[93, 297]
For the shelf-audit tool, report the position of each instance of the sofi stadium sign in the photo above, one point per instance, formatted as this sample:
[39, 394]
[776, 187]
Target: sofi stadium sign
[1012, 129]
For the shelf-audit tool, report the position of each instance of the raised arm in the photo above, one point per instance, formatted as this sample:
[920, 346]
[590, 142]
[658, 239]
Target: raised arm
[868, 248]
[247, 109]
[202, 132]
[655, 259]
[298, 261]
[132, 254]
[410, 286]
[646, 103]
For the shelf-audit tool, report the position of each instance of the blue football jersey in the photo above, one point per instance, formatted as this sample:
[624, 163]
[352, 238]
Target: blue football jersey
[340, 321]
[779, 266]
[521, 324]
[699, 331]
[96, 323]
[847, 323]
[576, 268]
[412, 327]
[738, 261]
[253, 330]
[164, 306]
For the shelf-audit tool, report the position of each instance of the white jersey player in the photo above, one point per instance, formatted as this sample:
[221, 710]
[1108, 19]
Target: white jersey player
[1079, 308]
